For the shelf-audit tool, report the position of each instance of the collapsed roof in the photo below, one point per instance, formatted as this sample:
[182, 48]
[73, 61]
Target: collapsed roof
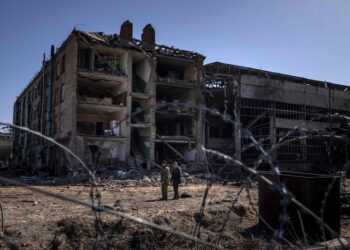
[114, 40]
[220, 69]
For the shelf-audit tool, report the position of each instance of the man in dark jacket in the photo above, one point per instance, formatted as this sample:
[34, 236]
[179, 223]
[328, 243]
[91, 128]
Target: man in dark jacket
[175, 178]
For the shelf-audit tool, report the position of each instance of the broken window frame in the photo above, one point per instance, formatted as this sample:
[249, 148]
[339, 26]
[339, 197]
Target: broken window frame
[63, 64]
[61, 123]
[62, 93]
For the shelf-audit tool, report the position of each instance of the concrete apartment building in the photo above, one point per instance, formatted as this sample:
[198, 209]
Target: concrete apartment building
[120, 99]
[271, 104]
[84, 94]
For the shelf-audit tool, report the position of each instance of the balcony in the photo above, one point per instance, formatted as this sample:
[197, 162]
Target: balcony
[168, 81]
[179, 130]
[141, 95]
[100, 66]
[140, 125]
[99, 130]
[141, 120]
[175, 139]
[101, 76]
[180, 108]
[99, 105]
[103, 138]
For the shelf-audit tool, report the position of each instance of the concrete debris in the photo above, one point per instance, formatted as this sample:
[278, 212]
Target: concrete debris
[121, 175]
[147, 179]
[53, 181]
[214, 202]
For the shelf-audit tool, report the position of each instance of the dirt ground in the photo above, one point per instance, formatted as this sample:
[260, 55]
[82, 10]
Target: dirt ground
[34, 221]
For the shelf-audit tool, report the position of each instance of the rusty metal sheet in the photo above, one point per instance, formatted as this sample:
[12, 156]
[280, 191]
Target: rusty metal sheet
[310, 190]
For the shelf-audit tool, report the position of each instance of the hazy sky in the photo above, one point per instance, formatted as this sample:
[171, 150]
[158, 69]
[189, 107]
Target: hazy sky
[304, 38]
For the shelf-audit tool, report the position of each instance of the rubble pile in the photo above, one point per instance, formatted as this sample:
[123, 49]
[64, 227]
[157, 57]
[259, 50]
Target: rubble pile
[121, 176]
[71, 179]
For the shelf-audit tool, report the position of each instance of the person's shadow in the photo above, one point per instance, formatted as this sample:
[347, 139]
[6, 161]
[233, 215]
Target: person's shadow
[154, 200]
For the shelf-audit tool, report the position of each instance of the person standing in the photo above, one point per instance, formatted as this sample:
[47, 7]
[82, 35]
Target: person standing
[165, 180]
[175, 178]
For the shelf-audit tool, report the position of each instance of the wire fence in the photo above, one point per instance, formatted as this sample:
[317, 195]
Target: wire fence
[286, 197]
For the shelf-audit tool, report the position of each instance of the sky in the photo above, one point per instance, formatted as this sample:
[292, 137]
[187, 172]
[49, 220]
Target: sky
[303, 38]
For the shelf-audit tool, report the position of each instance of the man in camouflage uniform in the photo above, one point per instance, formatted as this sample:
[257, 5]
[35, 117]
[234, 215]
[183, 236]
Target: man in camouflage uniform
[165, 180]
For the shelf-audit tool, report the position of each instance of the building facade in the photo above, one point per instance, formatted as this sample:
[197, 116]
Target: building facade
[5, 148]
[98, 95]
[114, 99]
[271, 104]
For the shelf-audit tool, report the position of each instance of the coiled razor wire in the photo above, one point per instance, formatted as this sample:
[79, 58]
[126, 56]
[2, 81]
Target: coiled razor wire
[112, 212]
[97, 209]
[286, 196]
[94, 192]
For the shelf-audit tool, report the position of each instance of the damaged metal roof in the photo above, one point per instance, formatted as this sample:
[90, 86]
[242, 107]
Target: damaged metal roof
[113, 40]
[221, 69]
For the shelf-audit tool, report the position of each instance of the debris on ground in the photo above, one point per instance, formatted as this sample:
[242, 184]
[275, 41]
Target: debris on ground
[244, 211]
[34, 221]
[64, 225]
[185, 195]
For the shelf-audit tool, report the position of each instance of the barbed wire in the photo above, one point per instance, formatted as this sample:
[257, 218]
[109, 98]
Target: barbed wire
[94, 191]
[97, 209]
[265, 156]
[109, 210]
[278, 233]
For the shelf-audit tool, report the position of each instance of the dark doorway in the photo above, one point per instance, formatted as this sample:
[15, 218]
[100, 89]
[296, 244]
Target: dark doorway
[99, 128]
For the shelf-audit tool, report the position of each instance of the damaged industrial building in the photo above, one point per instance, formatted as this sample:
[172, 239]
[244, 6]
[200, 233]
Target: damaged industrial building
[269, 105]
[115, 99]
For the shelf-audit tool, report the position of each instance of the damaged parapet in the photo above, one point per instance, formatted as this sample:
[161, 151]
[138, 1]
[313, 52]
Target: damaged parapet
[148, 37]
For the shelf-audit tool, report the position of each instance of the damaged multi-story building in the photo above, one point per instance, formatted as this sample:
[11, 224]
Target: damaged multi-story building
[268, 105]
[97, 94]
[114, 98]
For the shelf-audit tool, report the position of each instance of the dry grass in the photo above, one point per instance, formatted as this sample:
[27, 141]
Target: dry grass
[33, 221]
